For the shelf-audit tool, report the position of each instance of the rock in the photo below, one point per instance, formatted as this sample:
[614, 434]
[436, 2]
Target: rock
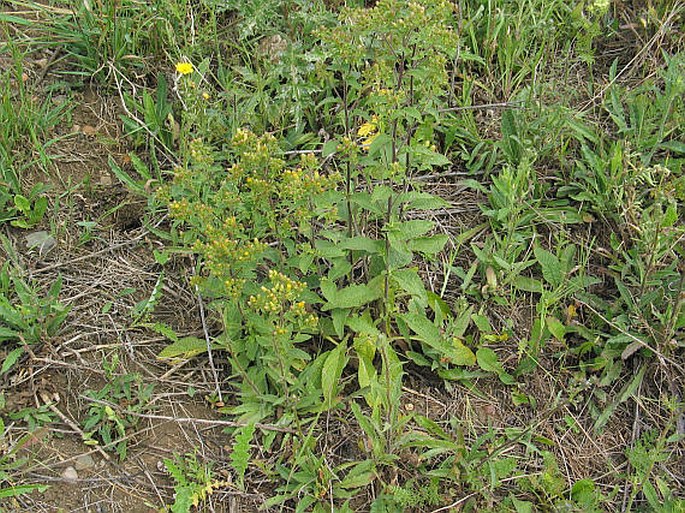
[83, 462]
[41, 241]
[70, 474]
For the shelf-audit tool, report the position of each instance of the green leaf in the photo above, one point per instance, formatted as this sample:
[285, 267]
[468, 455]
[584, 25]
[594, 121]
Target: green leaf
[676, 147]
[522, 506]
[365, 201]
[410, 282]
[551, 267]
[462, 322]
[416, 200]
[427, 331]
[364, 422]
[140, 166]
[331, 372]
[482, 323]
[462, 354]
[411, 229]
[489, 362]
[328, 249]
[8, 334]
[15, 20]
[373, 247]
[22, 203]
[339, 268]
[353, 296]
[380, 142]
[39, 208]
[556, 327]
[339, 317]
[583, 491]
[399, 255]
[527, 284]
[15, 491]
[125, 178]
[363, 324]
[626, 393]
[183, 349]
[670, 216]
[453, 350]
[429, 245]
[361, 474]
[11, 359]
[329, 148]
[145, 307]
[240, 456]
[365, 348]
[328, 288]
[425, 158]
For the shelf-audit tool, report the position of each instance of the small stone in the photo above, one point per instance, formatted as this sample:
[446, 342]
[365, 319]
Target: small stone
[84, 462]
[41, 241]
[70, 474]
[89, 131]
[105, 179]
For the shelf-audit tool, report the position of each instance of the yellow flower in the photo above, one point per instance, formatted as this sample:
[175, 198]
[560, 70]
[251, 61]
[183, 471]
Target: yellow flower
[368, 128]
[184, 68]
[369, 131]
[366, 143]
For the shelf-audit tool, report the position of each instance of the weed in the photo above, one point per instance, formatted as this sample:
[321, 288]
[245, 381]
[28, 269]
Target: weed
[26, 317]
[193, 482]
[112, 425]
[11, 463]
[25, 124]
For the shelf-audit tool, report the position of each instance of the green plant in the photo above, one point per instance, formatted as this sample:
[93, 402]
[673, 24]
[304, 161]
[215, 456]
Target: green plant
[33, 417]
[289, 148]
[105, 39]
[263, 320]
[193, 482]
[25, 124]
[646, 482]
[112, 411]
[291, 249]
[29, 211]
[503, 42]
[10, 462]
[27, 317]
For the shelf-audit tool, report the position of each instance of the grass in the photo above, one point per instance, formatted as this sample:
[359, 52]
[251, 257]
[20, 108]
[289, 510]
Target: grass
[397, 256]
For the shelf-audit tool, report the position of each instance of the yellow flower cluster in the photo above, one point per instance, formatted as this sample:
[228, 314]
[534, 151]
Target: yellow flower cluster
[201, 153]
[180, 209]
[258, 185]
[256, 155]
[347, 147]
[281, 298]
[234, 287]
[301, 183]
[222, 253]
[282, 292]
[184, 68]
[243, 137]
[368, 132]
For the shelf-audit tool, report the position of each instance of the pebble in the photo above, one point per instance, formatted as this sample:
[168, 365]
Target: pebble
[70, 474]
[84, 462]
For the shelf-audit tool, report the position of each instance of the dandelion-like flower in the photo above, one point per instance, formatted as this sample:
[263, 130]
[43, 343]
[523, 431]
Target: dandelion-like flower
[184, 68]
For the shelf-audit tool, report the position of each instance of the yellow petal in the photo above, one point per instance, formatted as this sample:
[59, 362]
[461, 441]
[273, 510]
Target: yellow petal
[184, 68]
